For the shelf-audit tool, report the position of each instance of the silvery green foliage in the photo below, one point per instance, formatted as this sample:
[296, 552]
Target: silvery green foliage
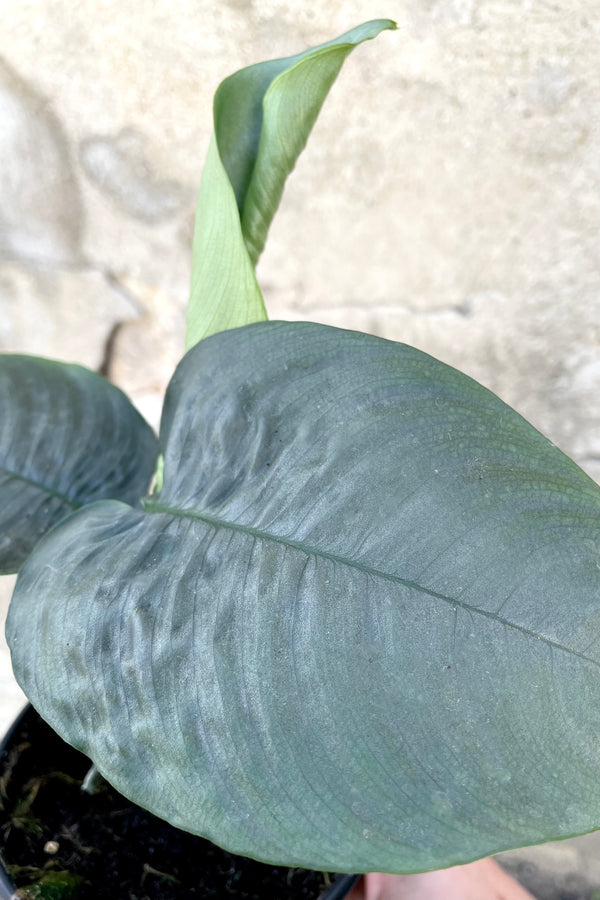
[67, 438]
[356, 630]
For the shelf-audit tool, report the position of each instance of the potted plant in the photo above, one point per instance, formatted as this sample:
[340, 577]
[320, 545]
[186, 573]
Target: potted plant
[352, 626]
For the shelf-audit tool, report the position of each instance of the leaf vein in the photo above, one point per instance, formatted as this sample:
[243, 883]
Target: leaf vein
[42, 487]
[154, 507]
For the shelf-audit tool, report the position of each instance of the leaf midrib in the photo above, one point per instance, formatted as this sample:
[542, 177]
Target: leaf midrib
[153, 507]
[41, 487]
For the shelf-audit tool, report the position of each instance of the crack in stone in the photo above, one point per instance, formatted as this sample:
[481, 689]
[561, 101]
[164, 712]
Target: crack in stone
[84, 266]
[109, 350]
[115, 283]
[464, 309]
[106, 342]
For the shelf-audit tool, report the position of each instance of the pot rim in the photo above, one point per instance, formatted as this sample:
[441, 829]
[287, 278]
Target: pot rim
[7, 887]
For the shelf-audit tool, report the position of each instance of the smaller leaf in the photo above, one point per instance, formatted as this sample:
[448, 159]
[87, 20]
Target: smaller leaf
[263, 115]
[224, 292]
[67, 437]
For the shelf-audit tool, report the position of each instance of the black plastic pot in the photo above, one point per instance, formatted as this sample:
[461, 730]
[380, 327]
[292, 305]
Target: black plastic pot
[7, 888]
[340, 888]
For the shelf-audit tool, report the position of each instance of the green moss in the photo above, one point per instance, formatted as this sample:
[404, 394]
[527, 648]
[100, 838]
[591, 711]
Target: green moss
[53, 886]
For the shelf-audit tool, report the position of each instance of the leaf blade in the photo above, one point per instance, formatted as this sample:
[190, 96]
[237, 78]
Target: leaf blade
[48, 409]
[340, 639]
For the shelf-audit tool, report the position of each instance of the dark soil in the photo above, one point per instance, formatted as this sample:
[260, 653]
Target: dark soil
[60, 843]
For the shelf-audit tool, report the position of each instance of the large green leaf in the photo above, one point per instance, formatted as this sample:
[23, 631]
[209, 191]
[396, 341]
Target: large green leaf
[359, 627]
[67, 437]
[263, 116]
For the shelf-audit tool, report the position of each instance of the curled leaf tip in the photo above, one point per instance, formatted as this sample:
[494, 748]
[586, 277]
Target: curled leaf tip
[263, 116]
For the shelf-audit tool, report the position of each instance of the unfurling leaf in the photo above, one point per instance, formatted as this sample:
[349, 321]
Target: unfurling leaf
[262, 118]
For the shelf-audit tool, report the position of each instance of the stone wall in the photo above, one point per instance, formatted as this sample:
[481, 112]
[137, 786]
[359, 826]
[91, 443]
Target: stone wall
[449, 196]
